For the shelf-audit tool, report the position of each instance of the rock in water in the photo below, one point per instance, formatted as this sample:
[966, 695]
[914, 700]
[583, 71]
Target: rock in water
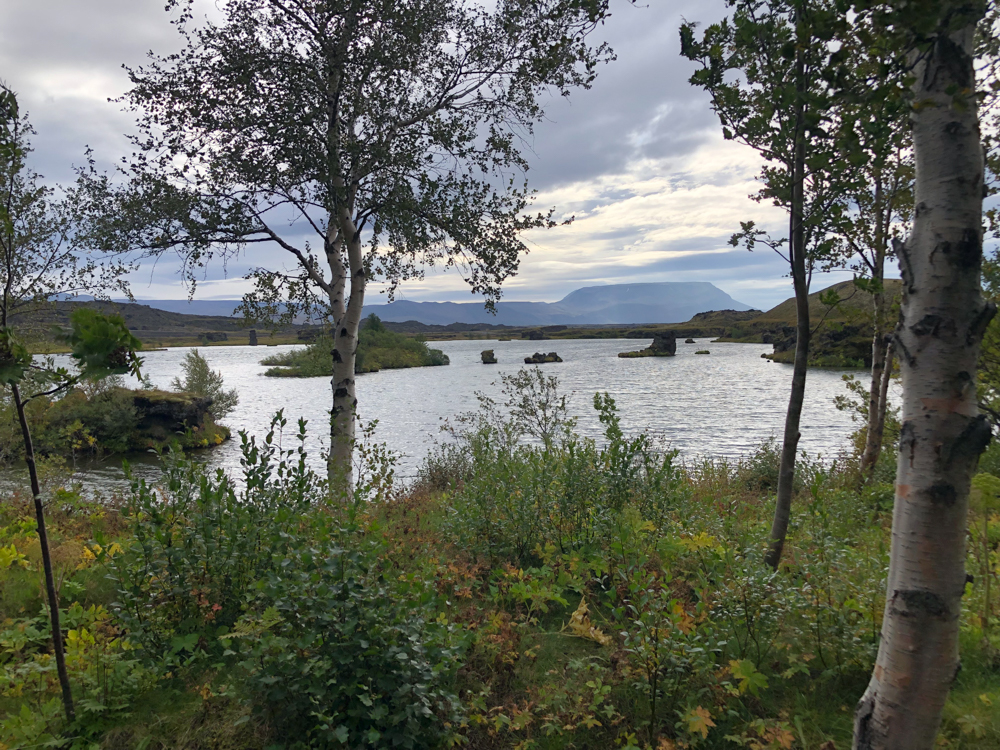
[664, 345]
[540, 359]
[488, 358]
[688, 341]
[253, 337]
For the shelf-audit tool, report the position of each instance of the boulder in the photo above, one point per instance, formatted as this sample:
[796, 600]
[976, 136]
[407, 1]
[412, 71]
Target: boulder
[488, 358]
[539, 359]
[688, 341]
[253, 337]
[664, 345]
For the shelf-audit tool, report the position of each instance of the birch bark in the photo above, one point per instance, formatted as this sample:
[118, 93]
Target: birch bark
[937, 343]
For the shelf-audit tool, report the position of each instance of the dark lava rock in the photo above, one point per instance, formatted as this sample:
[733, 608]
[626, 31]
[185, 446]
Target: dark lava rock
[688, 341]
[163, 414]
[216, 336]
[253, 337]
[539, 359]
[488, 358]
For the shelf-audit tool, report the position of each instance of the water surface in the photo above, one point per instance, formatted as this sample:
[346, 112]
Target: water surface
[721, 404]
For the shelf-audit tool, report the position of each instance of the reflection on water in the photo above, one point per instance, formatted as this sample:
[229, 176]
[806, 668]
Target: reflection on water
[721, 404]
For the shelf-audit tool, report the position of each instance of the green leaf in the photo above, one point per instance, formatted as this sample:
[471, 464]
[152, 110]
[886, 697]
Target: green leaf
[102, 344]
[14, 358]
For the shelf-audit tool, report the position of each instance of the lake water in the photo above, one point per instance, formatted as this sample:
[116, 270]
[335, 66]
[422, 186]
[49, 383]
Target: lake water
[721, 404]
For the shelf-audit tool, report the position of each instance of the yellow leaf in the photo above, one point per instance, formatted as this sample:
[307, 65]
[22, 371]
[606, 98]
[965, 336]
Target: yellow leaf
[699, 721]
[580, 625]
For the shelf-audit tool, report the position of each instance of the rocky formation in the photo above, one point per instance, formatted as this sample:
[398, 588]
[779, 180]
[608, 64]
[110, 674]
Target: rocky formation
[253, 337]
[688, 341]
[539, 359]
[838, 345]
[664, 345]
[488, 358]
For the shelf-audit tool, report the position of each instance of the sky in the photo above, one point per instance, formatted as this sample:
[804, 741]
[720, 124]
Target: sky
[638, 159]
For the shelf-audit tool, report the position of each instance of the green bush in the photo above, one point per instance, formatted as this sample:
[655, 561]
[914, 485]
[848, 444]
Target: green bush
[201, 380]
[378, 349]
[517, 496]
[199, 546]
[338, 655]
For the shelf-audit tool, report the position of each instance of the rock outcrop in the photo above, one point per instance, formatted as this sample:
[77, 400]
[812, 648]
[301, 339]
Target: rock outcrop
[488, 357]
[664, 345]
[540, 359]
[253, 337]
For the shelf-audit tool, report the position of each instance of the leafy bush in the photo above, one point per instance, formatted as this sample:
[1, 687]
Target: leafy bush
[518, 496]
[339, 656]
[200, 545]
[201, 380]
[378, 348]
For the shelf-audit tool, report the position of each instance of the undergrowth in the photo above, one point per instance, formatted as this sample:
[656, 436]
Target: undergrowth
[532, 589]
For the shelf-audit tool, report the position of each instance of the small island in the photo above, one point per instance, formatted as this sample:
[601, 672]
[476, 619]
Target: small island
[664, 345]
[540, 359]
[378, 349]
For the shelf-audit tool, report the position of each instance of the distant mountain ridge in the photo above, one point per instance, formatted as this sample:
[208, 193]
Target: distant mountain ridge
[611, 304]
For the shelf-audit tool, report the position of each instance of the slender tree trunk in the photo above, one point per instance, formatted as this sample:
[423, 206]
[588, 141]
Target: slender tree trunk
[937, 342]
[43, 541]
[340, 467]
[878, 428]
[873, 440]
[790, 442]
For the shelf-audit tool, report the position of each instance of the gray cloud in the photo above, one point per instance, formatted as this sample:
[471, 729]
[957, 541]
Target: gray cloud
[64, 57]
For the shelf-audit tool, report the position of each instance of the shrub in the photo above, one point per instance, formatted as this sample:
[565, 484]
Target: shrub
[201, 380]
[339, 656]
[200, 545]
[516, 496]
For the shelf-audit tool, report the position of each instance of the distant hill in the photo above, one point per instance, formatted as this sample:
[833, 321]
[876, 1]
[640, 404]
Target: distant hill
[855, 303]
[612, 304]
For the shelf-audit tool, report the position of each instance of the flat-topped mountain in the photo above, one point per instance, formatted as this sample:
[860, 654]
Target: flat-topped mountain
[621, 304]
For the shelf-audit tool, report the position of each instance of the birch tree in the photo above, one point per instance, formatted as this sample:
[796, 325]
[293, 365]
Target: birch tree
[942, 323]
[770, 72]
[360, 140]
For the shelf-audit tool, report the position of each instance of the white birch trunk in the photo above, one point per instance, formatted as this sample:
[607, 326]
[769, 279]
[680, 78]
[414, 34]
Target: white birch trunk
[937, 344]
[340, 468]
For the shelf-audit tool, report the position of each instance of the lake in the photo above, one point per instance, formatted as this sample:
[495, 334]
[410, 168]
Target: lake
[721, 404]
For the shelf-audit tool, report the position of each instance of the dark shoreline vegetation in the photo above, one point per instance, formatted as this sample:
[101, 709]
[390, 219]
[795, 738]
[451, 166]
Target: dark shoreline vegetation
[378, 349]
[532, 589]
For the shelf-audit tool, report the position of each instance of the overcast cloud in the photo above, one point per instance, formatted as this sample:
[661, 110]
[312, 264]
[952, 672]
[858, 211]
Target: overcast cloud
[638, 159]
